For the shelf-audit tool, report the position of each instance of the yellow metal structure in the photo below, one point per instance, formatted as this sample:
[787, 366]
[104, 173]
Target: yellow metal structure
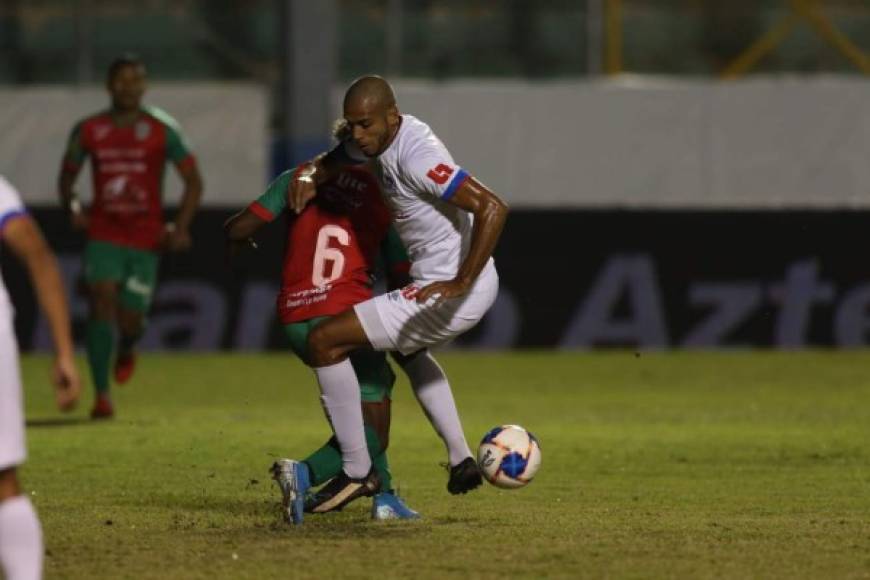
[810, 11]
[613, 35]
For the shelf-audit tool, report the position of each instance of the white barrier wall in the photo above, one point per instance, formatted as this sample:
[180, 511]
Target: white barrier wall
[645, 142]
[634, 142]
[226, 125]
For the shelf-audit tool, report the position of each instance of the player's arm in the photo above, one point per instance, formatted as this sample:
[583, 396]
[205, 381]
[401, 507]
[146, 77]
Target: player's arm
[490, 213]
[178, 235]
[240, 228]
[178, 151]
[319, 170]
[24, 238]
[70, 167]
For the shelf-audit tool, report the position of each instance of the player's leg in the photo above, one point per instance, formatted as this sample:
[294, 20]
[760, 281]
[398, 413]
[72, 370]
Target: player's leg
[430, 386]
[376, 387]
[397, 322]
[103, 272]
[328, 346]
[325, 463]
[137, 290]
[20, 534]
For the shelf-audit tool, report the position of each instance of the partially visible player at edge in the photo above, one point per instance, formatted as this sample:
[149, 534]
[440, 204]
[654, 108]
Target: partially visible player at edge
[129, 145]
[332, 250]
[449, 223]
[21, 548]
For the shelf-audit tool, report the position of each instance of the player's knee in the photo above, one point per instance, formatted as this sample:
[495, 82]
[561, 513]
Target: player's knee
[8, 484]
[130, 322]
[103, 303]
[320, 348]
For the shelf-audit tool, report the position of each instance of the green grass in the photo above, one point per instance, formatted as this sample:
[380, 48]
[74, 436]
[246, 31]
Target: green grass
[689, 465]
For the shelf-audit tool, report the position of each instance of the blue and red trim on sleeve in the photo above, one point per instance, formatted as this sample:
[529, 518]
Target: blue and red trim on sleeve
[10, 215]
[455, 183]
[261, 211]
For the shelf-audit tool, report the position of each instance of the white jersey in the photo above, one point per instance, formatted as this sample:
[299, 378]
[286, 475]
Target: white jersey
[10, 207]
[417, 176]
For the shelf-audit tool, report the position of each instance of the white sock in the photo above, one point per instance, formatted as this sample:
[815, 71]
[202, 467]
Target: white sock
[433, 391]
[20, 540]
[339, 393]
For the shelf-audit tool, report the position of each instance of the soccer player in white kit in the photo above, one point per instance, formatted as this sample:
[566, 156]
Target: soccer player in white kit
[20, 535]
[449, 223]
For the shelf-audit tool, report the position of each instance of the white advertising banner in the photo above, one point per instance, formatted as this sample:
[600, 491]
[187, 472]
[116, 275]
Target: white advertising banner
[225, 124]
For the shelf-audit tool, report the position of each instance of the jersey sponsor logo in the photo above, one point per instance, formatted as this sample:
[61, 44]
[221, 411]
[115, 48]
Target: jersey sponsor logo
[123, 196]
[440, 173]
[410, 292]
[347, 181]
[101, 131]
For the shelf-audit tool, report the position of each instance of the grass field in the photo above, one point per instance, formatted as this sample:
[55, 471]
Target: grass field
[693, 465]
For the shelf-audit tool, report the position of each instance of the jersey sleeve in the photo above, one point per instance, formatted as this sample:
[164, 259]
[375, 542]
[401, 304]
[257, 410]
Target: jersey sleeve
[76, 153]
[177, 148]
[431, 170]
[274, 200]
[11, 205]
[393, 253]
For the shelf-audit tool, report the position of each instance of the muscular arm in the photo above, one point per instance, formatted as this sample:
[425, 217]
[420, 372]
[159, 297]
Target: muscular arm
[490, 213]
[319, 170]
[26, 241]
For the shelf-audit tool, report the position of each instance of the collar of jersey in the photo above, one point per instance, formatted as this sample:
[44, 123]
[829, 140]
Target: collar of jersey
[392, 144]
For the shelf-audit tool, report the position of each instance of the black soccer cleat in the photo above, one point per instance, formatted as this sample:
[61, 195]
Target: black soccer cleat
[342, 490]
[464, 477]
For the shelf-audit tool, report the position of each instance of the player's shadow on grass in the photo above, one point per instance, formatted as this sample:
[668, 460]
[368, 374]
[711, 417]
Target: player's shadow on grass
[57, 422]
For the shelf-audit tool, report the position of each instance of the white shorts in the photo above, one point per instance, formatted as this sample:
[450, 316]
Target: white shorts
[396, 321]
[12, 452]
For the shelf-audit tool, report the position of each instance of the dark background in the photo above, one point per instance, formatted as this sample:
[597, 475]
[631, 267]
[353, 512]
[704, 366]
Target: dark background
[575, 279]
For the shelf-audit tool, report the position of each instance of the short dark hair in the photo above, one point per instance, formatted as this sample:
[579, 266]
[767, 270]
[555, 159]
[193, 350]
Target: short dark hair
[126, 59]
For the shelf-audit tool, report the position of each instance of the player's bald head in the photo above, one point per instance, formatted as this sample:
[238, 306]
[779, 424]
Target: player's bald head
[371, 92]
[370, 114]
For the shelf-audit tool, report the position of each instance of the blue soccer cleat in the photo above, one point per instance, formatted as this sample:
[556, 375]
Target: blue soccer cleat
[389, 506]
[294, 480]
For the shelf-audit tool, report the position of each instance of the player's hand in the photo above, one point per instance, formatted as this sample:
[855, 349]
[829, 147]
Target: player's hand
[235, 247]
[443, 291]
[79, 221]
[67, 385]
[176, 239]
[303, 188]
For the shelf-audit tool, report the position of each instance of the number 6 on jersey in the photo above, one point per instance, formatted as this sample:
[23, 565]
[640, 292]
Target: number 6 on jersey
[325, 256]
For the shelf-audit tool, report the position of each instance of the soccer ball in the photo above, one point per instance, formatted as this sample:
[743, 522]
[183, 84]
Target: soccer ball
[509, 456]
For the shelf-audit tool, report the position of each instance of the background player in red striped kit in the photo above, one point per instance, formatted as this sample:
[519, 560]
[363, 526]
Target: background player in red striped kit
[129, 146]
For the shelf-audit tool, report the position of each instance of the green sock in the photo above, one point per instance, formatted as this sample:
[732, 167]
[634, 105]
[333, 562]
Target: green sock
[99, 346]
[325, 463]
[379, 459]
